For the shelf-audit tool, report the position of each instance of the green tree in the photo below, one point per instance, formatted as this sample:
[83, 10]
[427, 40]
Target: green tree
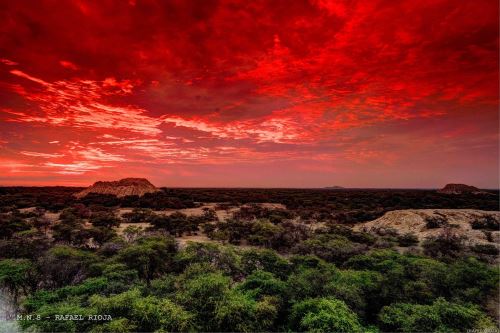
[470, 280]
[12, 223]
[175, 224]
[332, 248]
[264, 233]
[144, 314]
[63, 265]
[440, 316]
[154, 314]
[132, 233]
[223, 258]
[358, 289]
[101, 235]
[105, 219]
[138, 215]
[17, 276]
[41, 222]
[202, 294]
[323, 315]
[233, 230]
[150, 257]
[261, 283]
[70, 229]
[310, 282]
[264, 259]
[238, 312]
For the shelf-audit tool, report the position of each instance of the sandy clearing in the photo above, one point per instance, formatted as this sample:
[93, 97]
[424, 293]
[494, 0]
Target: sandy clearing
[194, 238]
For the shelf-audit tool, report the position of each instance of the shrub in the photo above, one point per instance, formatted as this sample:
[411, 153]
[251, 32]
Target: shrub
[408, 239]
[264, 233]
[143, 314]
[202, 294]
[266, 260]
[138, 215]
[149, 256]
[387, 231]
[441, 316]
[213, 255]
[238, 312]
[323, 315]
[448, 244]
[487, 222]
[10, 224]
[333, 248]
[261, 283]
[489, 236]
[489, 249]
[63, 265]
[435, 221]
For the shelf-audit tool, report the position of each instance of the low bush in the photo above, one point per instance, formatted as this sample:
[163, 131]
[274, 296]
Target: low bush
[489, 249]
[435, 221]
[488, 223]
[408, 239]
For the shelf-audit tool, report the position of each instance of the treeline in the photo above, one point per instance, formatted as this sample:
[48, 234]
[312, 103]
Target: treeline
[345, 199]
[58, 198]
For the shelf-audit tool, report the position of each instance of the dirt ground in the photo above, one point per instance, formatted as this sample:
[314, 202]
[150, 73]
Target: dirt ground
[193, 238]
[414, 221]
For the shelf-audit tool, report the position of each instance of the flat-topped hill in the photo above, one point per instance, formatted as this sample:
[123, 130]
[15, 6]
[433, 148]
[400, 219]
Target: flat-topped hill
[120, 188]
[459, 189]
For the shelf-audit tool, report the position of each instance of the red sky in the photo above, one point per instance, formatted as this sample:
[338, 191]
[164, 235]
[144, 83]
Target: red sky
[362, 93]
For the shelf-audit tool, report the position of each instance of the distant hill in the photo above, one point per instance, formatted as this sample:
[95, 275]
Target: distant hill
[459, 189]
[335, 187]
[120, 188]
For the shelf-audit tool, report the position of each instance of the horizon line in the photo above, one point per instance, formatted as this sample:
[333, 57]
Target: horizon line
[263, 187]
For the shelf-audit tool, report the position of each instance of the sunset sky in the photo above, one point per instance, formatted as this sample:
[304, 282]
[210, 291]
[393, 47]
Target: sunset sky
[282, 93]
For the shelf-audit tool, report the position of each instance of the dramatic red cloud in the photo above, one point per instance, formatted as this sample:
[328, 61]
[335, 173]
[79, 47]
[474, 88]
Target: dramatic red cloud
[306, 93]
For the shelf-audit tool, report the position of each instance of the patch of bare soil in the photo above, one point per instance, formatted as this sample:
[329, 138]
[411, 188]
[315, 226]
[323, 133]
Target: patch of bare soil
[53, 217]
[124, 225]
[272, 205]
[415, 221]
[27, 210]
[193, 238]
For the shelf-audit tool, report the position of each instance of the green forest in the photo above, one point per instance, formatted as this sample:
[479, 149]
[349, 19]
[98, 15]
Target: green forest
[259, 272]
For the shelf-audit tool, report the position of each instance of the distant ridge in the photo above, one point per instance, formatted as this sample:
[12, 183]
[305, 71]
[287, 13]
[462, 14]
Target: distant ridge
[120, 188]
[334, 187]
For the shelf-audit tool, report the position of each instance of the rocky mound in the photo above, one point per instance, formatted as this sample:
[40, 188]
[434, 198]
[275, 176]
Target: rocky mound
[120, 188]
[478, 226]
[459, 189]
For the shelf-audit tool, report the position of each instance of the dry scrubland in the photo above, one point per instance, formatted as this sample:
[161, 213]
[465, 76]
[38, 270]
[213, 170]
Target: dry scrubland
[251, 260]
